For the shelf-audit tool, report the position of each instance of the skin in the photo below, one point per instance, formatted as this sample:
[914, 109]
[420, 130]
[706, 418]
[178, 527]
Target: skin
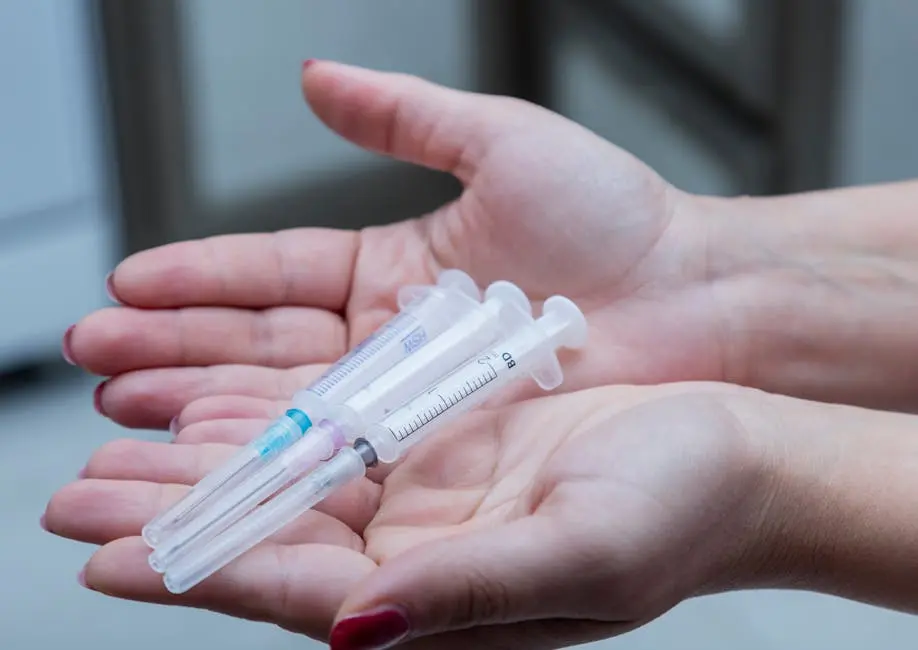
[212, 336]
[474, 497]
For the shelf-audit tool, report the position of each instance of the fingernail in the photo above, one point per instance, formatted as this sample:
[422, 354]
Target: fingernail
[308, 63]
[374, 630]
[173, 427]
[43, 522]
[81, 474]
[81, 578]
[66, 346]
[110, 287]
[97, 399]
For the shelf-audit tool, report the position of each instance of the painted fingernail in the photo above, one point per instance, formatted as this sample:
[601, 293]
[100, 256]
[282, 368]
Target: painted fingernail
[309, 63]
[81, 578]
[173, 427]
[67, 346]
[97, 399]
[110, 287]
[374, 630]
[43, 521]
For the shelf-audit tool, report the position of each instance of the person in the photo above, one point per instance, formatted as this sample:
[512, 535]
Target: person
[739, 419]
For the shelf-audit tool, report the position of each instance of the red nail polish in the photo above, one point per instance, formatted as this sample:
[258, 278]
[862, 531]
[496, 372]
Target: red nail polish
[308, 63]
[66, 346]
[97, 399]
[370, 631]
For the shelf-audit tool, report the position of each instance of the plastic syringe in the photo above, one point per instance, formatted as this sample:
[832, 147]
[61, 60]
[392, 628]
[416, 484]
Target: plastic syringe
[532, 351]
[505, 309]
[425, 312]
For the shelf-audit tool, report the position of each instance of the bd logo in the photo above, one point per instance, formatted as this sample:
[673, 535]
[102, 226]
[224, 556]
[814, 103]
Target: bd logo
[414, 340]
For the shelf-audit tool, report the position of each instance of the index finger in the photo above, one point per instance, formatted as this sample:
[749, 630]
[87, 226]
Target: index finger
[310, 267]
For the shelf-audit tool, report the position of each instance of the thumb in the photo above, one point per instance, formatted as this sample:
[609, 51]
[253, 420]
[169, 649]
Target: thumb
[526, 570]
[406, 117]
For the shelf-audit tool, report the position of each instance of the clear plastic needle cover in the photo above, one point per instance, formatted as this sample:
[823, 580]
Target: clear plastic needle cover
[346, 466]
[531, 350]
[504, 310]
[425, 313]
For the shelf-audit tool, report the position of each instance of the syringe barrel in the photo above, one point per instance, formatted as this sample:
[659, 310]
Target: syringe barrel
[425, 315]
[469, 336]
[481, 326]
[459, 392]
[528, 351]
[266, 520]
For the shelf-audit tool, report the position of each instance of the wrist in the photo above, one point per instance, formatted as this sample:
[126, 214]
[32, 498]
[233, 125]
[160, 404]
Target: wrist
[840, 518]
[748, 550]
[814, 300]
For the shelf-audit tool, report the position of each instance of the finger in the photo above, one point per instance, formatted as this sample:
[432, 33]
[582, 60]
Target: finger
[229, 407]
[530, 569]
[128, 460]
[150, 398]
[406, 117]
[97, 511]
[234, 432]
[310, 267]
[296, 587]
[113, 341]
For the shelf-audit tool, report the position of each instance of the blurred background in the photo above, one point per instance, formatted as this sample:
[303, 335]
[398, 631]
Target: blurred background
[128, 124]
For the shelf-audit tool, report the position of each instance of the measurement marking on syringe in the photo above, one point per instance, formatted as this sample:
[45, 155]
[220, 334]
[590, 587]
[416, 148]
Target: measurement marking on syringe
[360, 355]
[446, 401]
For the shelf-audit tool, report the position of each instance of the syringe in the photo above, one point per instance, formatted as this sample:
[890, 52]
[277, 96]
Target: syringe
[425, 312]
[528, 351]
[506, 309]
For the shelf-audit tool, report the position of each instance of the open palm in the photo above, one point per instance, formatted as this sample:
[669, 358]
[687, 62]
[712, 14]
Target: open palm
[212, 336]
[507, 488]
[547, 205]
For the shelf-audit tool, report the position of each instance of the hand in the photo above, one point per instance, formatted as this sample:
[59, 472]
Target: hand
[547, 204]
[542, 524]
